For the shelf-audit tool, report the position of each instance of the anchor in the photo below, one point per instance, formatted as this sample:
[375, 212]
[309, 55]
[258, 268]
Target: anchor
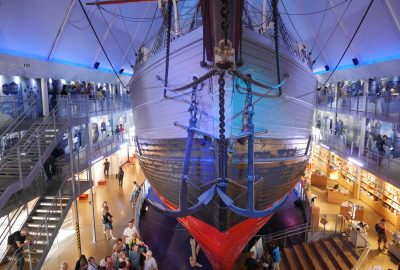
[206, 196]
[250, 210]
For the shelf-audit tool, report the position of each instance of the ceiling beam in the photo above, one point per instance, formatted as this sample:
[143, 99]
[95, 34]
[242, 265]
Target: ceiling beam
[299, 6]
[104, 38]
[393, 14]
[132, 38]
[354, 52]
[61, 30]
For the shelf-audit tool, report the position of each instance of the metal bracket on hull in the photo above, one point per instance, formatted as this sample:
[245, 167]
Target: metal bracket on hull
[203, 200]
[205, 197]
[249, 212]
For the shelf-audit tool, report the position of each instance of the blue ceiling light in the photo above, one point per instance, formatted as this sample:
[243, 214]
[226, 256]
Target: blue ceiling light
[326, 67]
[121, 71]
[96, 65]
[355, 61]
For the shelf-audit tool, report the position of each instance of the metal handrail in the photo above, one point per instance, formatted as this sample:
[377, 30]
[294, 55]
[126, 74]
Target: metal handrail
[363, 255]
[43, 228]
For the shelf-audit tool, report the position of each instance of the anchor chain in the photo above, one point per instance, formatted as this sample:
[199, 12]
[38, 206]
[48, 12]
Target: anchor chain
[167, 49]
[249, 108]
[193, 106]
[222, 142]
[225, 22]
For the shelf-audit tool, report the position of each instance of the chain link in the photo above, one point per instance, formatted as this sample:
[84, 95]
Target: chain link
[225, 22]
[222, 142]
[193, 106]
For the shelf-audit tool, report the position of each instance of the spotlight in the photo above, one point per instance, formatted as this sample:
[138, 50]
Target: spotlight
[121, 71]
[355, 61]
[327, 68]
[96, 65]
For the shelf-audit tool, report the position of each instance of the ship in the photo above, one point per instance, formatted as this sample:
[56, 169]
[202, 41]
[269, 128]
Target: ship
[223, 116]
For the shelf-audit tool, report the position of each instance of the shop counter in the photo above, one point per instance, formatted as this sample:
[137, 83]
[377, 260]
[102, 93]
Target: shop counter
[345, 209]
[337, 196]
[319, 180]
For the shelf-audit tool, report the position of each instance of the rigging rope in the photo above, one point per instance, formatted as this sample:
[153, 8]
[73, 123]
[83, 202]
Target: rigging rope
[222, 145]
[168, 46]
[276, 39]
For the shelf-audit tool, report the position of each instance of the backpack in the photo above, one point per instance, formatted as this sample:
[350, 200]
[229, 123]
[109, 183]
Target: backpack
[377, 228]
[11, 238]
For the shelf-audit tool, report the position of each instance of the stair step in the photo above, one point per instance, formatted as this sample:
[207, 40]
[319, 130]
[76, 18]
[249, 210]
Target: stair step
[302, 258]
[335, 257]
[45, 210]
[323, 257]
[50, 204]
[43, 217]
[349, 254]
[311, 255]
[34, 224]
[290, 257]
[50, 197]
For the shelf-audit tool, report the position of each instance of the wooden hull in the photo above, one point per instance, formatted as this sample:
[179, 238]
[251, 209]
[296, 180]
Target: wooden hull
[281, 155]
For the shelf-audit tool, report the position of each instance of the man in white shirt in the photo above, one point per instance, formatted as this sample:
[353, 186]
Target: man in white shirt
[128, 233]
[150, 263]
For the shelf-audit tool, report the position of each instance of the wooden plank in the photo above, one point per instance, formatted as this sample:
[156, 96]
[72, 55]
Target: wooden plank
[302, 258]
[311, 255]
[332, 254]
[290, 258]
[323, 258]
[343, 252]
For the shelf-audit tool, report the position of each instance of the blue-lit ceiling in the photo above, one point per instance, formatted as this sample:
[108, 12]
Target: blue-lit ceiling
[35, 29]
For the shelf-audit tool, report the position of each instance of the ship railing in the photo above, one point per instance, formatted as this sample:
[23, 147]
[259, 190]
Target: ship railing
[189, 20]
[254, 20]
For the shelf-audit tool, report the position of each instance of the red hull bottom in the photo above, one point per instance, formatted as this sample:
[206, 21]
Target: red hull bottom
[221, 248]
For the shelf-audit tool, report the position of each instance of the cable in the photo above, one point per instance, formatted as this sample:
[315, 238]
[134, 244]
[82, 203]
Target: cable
[126, 30]
[305, 14]
[115, 39]
[319, 29]
[331, 35]
[148, 31]
[291, 22]
[101, 45]
[351, 40]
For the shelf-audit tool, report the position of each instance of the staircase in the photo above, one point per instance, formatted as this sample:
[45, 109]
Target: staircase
[333, 253]
[20, 166]
[44, 222]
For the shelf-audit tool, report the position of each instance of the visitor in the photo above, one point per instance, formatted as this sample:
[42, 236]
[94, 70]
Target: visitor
[106, 165]
[380, 229]
[122, 266]
[276, 257]
[109, 263]
[64, 266]
[121, 131]
[251, 262]
[134, 257]
[117, 132]
[380, 144]
[119, 246]
[107, 221]
[18, 241]
[124, 258]
[78, 262]
[103, 127]
[135, 193]
[128, 234]
[105, 204]
[92, 264]
[120, 176]
[64, 91]
[150, 263]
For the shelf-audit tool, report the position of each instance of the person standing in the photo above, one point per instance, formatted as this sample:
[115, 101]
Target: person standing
[276, 257]
[251, 262]
[18, 241]
[134, 257]
[150, 263]
[64, 266]
[107, 221]
[380, 229]
[135, 193]
[92, 263]
[128, 234]
[120, 176]
[106, 165]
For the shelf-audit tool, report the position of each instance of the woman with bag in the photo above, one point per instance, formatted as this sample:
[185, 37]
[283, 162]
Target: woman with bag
[107, 221]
